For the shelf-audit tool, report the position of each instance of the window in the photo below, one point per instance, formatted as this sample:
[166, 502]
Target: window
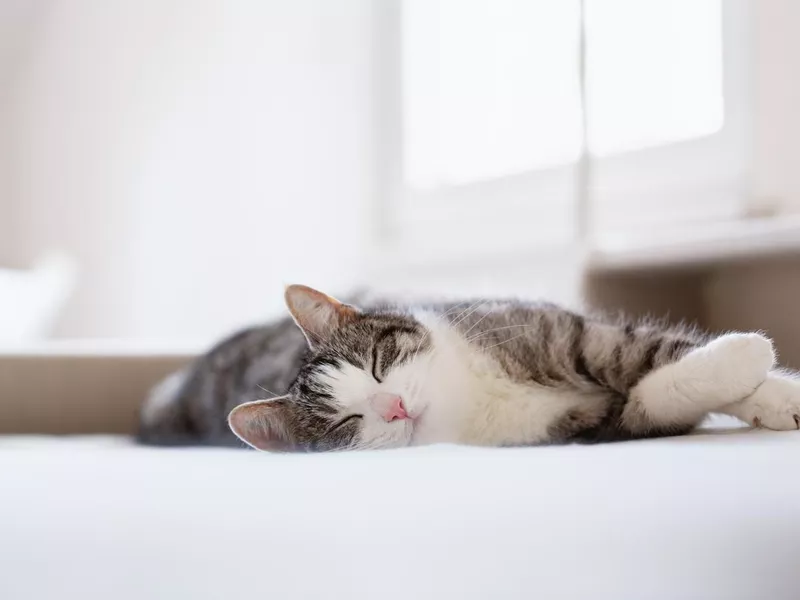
[653, 77]
[507, 104]
[520, 118]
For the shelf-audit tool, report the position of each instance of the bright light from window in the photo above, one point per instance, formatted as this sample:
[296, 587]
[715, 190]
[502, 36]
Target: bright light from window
[654, 72]
[490, 88]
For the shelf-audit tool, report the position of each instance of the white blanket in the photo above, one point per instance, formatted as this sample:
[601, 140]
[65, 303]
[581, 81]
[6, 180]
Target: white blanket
[706, 516]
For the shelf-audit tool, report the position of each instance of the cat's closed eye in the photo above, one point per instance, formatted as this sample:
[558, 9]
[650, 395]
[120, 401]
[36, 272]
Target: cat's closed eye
[344, 421]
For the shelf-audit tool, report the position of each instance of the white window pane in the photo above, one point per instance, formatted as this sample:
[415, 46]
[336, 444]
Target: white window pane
[490, 88]
[654, 72]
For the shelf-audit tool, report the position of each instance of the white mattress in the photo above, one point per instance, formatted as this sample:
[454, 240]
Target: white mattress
[706, 516]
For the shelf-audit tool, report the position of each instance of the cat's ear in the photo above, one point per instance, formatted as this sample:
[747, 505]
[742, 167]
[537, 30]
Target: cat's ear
[317, 314]
[263, 424]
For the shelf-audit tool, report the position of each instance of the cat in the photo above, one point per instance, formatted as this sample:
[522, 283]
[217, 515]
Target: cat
[489, 372]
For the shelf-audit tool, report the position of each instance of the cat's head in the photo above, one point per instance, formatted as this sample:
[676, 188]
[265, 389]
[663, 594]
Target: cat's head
[359, 387]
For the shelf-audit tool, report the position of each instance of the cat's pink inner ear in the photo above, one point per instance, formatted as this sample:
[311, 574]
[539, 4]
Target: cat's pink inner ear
[262, 424]
[317, 314]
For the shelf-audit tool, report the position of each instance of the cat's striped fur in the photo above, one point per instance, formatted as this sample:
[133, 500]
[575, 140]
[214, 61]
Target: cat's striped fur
[495, 372]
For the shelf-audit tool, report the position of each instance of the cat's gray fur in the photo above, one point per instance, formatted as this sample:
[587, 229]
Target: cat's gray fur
[535, 343]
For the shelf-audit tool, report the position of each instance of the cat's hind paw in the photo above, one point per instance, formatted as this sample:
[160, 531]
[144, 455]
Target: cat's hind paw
[774, 405]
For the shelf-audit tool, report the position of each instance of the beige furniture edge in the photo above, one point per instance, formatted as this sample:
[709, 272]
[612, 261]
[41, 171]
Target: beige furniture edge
[747, 295]
[77, 393]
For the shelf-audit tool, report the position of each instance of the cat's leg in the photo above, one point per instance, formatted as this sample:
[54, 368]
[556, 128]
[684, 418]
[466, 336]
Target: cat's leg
[774, 405]
[707, 378]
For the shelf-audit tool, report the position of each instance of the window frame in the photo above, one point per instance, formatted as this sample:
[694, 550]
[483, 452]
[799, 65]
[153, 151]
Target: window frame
[691, 181]
[699, 180]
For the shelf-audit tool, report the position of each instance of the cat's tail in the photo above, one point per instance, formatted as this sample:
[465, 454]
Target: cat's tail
[162, 420]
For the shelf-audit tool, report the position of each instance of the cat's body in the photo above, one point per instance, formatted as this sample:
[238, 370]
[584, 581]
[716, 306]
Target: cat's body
[487, 372]
[191, 407]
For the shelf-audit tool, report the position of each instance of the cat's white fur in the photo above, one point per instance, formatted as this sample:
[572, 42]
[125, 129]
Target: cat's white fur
[706, 379]
[455, 392]
[773, 405]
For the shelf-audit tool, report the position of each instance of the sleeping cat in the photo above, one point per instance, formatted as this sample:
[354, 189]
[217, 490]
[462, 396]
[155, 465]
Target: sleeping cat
[490, 372]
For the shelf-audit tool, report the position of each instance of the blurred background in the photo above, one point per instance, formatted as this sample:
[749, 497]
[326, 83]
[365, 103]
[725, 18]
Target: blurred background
[167, 166]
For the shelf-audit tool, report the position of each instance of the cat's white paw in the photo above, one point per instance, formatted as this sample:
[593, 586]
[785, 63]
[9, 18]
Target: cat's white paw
[775, 405]
[739, 361]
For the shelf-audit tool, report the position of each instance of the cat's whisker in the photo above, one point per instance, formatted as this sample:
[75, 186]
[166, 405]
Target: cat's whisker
[488, 331]
[475, 324]
[463, 312]
[476, 306]
[451, 310]
[261, 387]
[506, 341]
[428, 331]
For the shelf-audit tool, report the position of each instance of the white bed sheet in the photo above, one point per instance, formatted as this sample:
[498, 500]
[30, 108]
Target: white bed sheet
[706, 516]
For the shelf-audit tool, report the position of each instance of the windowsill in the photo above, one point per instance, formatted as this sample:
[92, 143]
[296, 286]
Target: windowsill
[689, 246]
[697, 246]
[103, 347]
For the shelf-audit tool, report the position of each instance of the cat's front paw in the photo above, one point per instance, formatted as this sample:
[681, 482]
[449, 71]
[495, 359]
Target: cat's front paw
[774, 405]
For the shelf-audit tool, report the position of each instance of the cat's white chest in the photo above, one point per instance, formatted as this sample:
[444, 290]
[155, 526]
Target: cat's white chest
[471, 400]
[500, 411]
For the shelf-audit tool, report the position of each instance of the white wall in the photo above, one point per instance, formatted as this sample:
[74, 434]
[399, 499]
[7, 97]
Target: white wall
[5, 191]
[777, 95]
[194, 155]
[17, 18]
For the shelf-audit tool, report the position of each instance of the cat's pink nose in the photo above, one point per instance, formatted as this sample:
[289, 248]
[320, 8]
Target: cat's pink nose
[388, 406]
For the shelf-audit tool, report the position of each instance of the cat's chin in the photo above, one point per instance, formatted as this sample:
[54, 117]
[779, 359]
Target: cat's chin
[422, 430]
[411, 437]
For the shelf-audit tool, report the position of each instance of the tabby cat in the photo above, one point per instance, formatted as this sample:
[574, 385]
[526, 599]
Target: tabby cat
[490, 372]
